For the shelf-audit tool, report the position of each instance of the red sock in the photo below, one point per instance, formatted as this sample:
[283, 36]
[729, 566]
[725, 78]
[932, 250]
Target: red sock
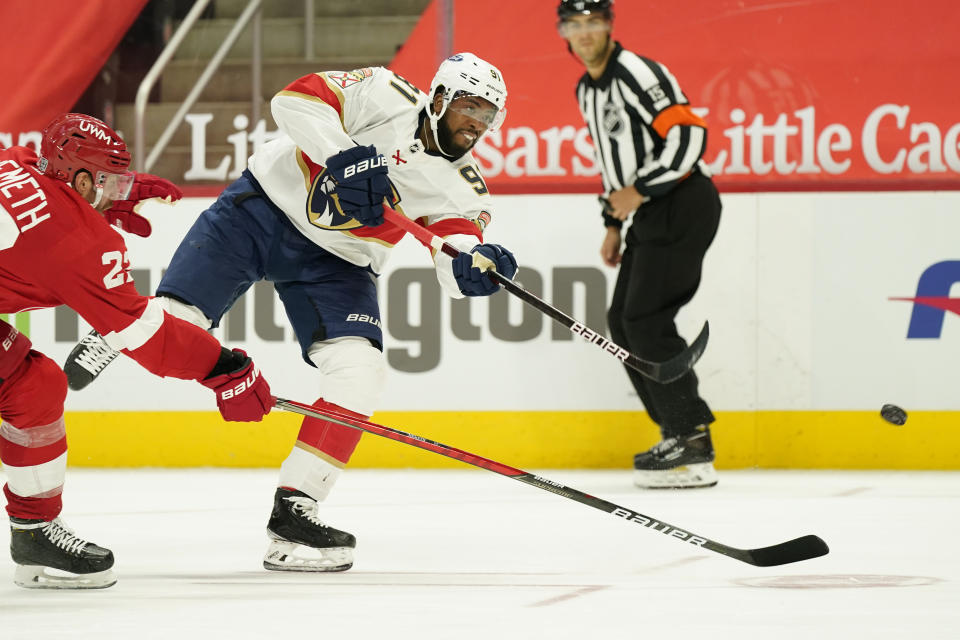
[33, 439]
[333, 440]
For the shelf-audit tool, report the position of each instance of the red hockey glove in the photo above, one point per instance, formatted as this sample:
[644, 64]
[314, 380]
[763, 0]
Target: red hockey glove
[242, 393]
[123, 213]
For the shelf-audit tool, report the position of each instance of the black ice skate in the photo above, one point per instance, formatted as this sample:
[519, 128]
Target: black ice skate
[49, 556]
[681, 462]
[87, 360]
[299, 541]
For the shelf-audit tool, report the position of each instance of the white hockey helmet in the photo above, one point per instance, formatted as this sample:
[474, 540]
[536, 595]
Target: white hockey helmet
[466, 74]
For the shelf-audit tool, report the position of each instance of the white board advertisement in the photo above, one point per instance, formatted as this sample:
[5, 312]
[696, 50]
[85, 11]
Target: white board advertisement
[799, 289]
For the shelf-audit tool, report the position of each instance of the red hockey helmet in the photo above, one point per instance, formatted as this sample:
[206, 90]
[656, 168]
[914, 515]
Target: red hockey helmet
[76, 141]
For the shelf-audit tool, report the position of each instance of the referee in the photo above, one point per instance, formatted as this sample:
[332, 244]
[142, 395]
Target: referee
[649, 144]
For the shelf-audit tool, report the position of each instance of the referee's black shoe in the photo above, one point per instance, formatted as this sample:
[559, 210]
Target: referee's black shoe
[677, 462]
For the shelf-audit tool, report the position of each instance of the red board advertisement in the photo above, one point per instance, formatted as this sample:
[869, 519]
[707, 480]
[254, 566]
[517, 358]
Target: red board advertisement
[51, 50]
[800, 95]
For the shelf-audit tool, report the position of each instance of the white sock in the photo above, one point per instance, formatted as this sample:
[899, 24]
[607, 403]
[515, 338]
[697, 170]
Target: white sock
[309, 473]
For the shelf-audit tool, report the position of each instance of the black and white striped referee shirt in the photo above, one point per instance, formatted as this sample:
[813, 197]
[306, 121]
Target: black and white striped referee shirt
[642, 127]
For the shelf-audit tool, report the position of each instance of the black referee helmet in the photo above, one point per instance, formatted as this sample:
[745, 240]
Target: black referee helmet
[568, 8]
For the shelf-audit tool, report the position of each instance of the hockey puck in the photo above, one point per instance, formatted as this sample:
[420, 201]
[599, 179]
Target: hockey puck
[893, 414]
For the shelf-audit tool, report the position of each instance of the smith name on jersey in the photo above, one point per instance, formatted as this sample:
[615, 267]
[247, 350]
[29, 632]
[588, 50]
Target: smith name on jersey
[324, 113]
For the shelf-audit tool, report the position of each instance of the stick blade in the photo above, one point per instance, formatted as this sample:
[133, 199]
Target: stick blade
[681, 363]
[796, 550]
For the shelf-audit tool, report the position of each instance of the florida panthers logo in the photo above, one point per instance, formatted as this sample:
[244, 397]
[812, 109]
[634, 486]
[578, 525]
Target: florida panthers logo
[323, 208]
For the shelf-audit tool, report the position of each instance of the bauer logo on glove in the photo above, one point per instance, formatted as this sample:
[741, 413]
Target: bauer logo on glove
[243, 395]
[245, 384]
[363, 165]
[360, 175]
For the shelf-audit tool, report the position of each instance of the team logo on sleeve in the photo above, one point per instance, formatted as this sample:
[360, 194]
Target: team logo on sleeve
[347, 78]
[483, 220]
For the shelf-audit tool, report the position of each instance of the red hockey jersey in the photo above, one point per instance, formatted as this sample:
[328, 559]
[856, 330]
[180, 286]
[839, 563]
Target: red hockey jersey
[55, 249]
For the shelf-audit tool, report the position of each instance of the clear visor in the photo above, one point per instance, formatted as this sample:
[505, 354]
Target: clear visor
[570, 28]
[480, 109]
[115, 186]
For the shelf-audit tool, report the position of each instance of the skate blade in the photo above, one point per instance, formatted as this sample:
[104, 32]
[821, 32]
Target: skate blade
[691, 476]
[39, 577]
[289, 556]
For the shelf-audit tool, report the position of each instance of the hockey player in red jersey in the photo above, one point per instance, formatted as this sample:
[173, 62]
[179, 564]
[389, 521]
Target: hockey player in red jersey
[57, 248]
[308, 216]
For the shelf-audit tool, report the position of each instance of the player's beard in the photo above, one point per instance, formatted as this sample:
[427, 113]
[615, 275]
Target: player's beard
[445, 138]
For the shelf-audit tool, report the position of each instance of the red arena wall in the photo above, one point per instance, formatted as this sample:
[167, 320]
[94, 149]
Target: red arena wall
[809, 95]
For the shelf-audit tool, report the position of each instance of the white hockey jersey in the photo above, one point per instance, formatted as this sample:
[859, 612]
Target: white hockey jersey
[324, 113]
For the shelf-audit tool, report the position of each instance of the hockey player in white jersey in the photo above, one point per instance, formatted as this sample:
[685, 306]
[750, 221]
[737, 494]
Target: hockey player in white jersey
[308, 216]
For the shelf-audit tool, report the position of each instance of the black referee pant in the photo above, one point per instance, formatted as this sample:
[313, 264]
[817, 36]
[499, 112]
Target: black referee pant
[659, 273]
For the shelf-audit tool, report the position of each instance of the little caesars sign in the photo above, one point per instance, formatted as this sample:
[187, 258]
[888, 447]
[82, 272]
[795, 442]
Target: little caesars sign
[888, 141]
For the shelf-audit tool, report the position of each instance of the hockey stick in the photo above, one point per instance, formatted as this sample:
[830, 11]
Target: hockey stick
[803, 548]
[662, 372]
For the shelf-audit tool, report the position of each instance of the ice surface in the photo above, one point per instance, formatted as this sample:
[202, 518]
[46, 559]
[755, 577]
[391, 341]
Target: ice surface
[469, 554]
